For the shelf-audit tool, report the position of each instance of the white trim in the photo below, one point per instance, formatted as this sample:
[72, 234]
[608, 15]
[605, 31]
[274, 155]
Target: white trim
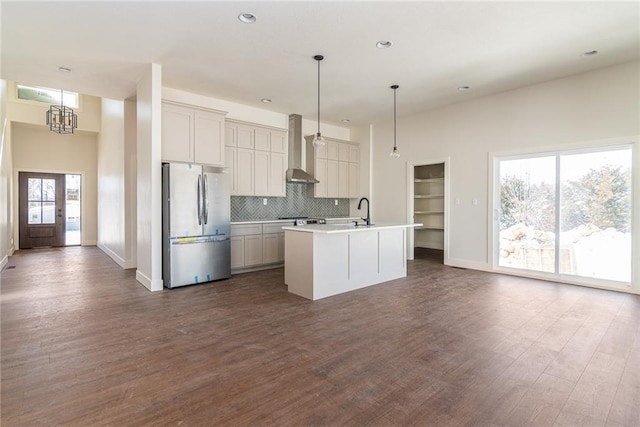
[471, 265]
[125, 264]
[557, 150]
[152, 285]
[410, 168]
[4, 262]
[474, 265]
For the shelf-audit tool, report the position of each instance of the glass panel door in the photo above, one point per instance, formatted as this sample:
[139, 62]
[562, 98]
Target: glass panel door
[72, 203]
[527, 213]
[595, 194]
[567, 213]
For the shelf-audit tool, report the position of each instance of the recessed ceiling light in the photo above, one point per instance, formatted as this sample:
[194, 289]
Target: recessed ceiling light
[345, 120]
[64, 69]
[590, 53]
[247, 18]
[265, 100]
[463, 88]
[383, 44]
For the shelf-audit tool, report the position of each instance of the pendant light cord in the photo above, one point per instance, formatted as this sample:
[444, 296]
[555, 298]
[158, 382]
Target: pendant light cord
[394, 119]
[318, 96]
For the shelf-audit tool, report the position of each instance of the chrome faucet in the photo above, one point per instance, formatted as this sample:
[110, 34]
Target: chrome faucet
[368, 218]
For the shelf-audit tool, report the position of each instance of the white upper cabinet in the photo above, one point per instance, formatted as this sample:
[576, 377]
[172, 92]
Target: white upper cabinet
[337, 166]
[192, 135]
[278, 141]
[343, 152]
[277, 172]
[354, 154]
[177, 133]
[332, 150]
[246, 136]
[262, 139]
[259, 160]
[244, 172]
[261, 173]
[208, 137]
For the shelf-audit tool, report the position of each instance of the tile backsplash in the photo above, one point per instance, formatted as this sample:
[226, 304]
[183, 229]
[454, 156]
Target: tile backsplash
[297, 203]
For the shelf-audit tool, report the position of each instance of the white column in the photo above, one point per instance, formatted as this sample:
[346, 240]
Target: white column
[149, 179]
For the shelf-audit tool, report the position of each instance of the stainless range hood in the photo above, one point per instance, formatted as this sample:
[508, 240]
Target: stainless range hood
[295, 173]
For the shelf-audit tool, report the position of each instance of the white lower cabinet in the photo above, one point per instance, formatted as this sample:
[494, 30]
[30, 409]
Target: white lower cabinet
[273, 248]
[237, 251]
[251, 249]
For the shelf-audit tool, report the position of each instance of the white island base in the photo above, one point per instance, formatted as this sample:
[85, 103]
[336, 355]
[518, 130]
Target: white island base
[325, 260]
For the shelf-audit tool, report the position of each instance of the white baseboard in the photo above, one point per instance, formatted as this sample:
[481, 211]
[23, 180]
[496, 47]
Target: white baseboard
[4, 262]
[117, 258]
[472, 265]
[89, 243]
[152, 285]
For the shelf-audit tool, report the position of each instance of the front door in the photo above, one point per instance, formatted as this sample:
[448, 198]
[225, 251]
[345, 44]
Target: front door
[42, 209]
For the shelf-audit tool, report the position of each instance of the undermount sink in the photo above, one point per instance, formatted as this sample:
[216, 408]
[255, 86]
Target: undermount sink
[351, 225]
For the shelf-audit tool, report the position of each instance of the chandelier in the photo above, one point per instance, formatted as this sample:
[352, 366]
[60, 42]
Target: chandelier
[61, 119]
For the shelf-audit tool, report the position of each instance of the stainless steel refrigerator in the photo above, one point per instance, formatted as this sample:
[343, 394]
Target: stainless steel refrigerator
[195, 224]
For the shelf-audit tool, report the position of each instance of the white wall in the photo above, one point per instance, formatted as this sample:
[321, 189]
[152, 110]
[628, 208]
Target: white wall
[149, 185]
[130, 181]
[36, 149]
[111, 220]
[561, 113]
[6, 181]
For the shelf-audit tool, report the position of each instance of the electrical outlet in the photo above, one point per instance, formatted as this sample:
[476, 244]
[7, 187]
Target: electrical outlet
[474, 201]
[457, 200]
[335, 201]
[264, 201]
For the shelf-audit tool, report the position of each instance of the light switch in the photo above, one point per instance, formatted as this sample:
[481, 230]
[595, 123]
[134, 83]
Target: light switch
[336, 202]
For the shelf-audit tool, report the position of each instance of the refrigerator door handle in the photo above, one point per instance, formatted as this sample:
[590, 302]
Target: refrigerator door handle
[205, 195]
[199, 199]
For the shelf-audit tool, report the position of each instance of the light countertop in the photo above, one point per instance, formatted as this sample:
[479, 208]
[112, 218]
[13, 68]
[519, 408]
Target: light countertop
[345, 228]
[288, 221]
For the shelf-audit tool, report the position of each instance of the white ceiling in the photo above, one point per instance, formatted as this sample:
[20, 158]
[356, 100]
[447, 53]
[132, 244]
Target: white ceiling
[204, 48]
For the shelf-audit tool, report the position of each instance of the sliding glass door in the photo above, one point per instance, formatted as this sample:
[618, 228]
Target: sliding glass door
[566, 213]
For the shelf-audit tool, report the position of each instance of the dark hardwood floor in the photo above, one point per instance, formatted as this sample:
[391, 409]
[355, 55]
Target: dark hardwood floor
[84, 344]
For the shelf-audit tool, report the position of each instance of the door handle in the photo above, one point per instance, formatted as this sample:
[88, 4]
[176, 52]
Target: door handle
[199, 200]
[205, 198]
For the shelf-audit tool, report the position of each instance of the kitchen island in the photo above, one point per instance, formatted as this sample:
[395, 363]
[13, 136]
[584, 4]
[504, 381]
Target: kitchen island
[326, 260]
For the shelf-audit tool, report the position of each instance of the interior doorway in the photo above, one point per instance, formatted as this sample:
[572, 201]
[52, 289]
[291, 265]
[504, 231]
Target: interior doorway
[428, 189]
[49, 209]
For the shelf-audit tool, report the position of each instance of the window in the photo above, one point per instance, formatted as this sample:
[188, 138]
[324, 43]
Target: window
[42, 200]
[47, 95]
[566, 213]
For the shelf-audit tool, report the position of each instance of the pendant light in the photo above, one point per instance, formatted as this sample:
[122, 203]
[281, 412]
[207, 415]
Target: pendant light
[394, 153]
[61, 119]
[318, 140]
